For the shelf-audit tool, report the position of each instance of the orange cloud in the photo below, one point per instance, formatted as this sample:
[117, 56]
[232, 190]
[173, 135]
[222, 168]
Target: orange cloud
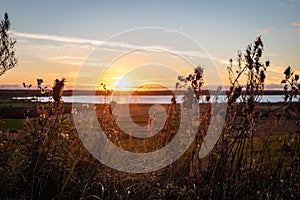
[265, 31]
[295, 24]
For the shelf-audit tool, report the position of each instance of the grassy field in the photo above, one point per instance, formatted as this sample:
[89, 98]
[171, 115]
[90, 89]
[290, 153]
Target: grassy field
[11, 124]
[16, 109]
[51, 160]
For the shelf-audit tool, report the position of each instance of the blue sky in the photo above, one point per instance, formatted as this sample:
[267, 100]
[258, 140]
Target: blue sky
[43, 28]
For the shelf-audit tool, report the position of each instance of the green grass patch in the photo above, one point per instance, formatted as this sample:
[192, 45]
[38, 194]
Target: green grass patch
[11, 124]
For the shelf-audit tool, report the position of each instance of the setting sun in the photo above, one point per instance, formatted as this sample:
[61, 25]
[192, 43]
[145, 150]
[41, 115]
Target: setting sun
[123, 84]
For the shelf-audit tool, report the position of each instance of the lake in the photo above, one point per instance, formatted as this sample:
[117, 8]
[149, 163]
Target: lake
[143, 99]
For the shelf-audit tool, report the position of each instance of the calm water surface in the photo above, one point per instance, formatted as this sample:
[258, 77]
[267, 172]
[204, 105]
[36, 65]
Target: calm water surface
[163, 99]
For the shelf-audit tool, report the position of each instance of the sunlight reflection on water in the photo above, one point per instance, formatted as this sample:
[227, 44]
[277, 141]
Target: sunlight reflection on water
[159, 99]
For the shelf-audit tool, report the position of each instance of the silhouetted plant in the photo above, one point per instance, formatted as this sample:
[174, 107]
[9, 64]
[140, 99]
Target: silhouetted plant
[192, 93]
[7, 45]
[194, 80]
[244, 163]
[291, 85]
[233, 156]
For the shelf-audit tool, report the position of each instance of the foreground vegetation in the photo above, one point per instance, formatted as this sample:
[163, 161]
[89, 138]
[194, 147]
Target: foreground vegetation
[248, 162]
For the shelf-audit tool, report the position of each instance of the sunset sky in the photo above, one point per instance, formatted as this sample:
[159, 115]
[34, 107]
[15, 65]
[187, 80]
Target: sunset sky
[58, 39]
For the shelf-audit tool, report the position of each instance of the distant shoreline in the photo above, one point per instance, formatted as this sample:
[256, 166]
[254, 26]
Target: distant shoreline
[9, 93]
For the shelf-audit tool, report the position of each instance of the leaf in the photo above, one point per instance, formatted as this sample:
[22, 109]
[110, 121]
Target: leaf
[259, 52]
[39, 81]
[262, 76]
[283, 81]
[287, 72]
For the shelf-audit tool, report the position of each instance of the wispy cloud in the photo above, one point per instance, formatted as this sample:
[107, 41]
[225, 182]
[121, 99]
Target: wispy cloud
[112, 46]
[106, 45]
[56, 38]
[295, 24]
[168, 31]
[276, 69]
[72, 40]
[69, 60]
[297, 30]
[117, 47]
[265, 31]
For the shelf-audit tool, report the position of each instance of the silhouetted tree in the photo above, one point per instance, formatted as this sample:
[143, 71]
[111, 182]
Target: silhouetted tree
[7, 44]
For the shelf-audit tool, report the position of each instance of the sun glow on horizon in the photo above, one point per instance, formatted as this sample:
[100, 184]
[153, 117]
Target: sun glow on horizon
[123, 84]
